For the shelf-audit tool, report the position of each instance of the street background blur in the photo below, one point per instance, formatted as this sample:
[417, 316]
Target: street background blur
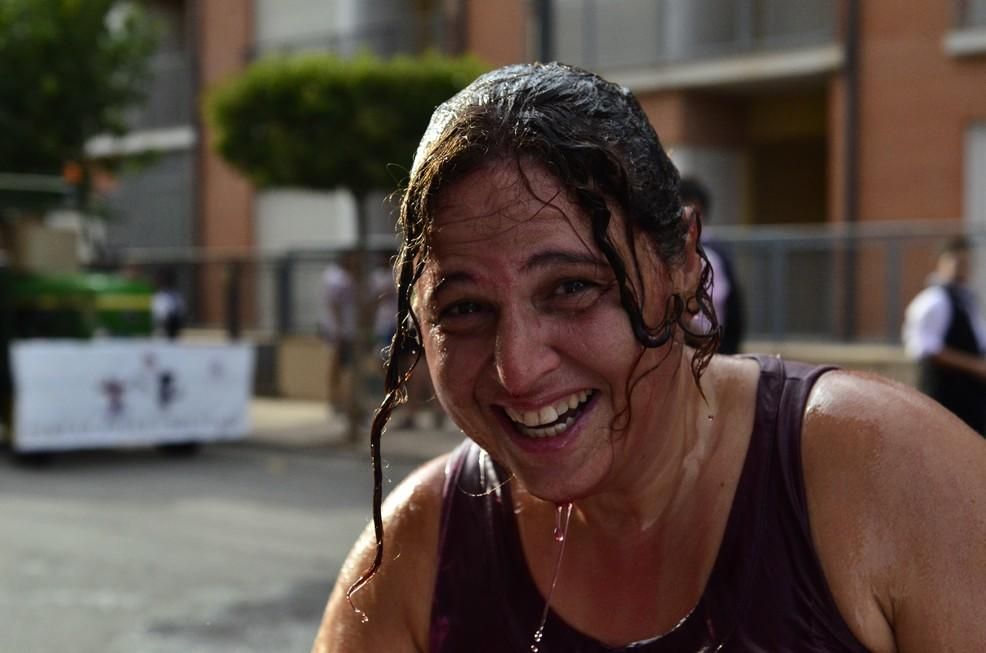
[841, 142]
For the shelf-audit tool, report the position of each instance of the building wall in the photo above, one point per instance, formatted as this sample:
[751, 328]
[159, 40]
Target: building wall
[917, 102]
[226, 200]
[497, 32]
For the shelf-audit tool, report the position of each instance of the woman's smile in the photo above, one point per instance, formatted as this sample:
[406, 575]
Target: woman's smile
[551, 420]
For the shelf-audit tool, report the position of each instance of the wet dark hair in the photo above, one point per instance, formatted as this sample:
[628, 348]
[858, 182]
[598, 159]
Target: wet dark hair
[955, 245]
[595, 139]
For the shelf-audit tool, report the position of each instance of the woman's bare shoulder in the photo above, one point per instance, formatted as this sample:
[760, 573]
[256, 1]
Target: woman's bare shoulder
[896, 492]
[870, 423]
[391, 611]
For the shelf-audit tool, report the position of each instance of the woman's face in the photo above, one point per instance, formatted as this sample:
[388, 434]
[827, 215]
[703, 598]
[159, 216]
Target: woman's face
[528, 346]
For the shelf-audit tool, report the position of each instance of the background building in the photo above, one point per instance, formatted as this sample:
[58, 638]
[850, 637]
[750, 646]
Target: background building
[861, 123]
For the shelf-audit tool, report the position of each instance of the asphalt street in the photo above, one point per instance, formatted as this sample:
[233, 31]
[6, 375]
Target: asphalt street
[232, 550]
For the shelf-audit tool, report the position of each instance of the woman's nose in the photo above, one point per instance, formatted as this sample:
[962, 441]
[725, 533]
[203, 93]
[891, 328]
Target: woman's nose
[524, 352]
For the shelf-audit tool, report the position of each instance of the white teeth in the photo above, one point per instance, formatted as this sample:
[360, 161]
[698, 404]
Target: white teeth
[533, 423]
[548, 431]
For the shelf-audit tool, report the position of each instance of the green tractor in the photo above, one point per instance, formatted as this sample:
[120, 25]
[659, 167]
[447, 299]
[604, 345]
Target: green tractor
[58, 306]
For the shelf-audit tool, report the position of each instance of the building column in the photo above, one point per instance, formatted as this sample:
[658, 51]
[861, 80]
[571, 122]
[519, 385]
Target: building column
[225, 198]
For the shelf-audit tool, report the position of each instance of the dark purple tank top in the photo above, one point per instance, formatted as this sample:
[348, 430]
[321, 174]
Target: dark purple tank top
[766, 591]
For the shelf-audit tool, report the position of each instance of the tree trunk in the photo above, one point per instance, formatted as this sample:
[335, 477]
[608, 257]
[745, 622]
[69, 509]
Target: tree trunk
[364, 329]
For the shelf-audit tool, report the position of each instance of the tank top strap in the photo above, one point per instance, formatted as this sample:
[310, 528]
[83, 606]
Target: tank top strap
[789, 590]
[799, 379]
[731, 588]
[775, 445]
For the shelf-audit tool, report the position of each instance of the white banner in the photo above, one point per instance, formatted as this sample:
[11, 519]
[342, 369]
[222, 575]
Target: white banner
[71, 394]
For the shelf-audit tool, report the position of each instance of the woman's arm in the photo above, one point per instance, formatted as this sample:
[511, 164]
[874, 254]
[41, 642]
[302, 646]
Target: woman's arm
[396, 602]
[896, 491]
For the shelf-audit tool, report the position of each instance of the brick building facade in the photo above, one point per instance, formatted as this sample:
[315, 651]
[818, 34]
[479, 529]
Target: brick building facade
[816, 112]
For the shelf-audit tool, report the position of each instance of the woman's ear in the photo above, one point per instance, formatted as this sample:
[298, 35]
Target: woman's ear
[686, 276]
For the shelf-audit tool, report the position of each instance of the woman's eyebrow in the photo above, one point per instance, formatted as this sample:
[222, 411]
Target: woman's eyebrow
[555, 257]
[537, 261]
[449, 280]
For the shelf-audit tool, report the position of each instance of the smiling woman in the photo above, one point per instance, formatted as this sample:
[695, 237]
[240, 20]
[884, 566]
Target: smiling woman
[622, 487]
[521, 316]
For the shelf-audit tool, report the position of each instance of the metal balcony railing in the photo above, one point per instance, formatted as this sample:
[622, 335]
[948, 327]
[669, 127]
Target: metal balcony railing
[970, 13]
[612, 34]
[799, 283]
[384, 39]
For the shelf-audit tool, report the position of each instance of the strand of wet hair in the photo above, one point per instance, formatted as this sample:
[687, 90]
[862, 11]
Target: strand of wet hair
[709, 340]
[406, 342]
[600, 215]
[675, 313]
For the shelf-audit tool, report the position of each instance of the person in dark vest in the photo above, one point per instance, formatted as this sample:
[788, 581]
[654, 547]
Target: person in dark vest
[727, 293]
[620, 489]
[945, 331]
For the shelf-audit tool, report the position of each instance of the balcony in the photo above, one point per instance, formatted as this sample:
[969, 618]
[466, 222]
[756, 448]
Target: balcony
[383, 38]
[620, 36]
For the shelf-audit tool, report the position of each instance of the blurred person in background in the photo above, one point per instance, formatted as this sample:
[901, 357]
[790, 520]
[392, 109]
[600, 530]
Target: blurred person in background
[945, 331]
[168, 311]
[727, 295]
[337, 326]
[384, 295]
[421, 410]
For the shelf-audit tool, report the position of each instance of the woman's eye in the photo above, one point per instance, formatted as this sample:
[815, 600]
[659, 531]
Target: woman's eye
[573, 295]
[461, 317]
[573, 287]
[460, 309]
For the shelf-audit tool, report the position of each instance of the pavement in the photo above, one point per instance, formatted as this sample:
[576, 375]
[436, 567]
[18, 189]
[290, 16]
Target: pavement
[298, 423]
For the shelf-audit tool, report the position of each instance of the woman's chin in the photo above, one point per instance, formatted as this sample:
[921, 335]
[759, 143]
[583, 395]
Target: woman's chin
[558, 486]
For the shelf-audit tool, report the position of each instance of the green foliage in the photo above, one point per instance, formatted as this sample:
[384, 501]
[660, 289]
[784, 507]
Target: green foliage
[71, 68]
[323, 122]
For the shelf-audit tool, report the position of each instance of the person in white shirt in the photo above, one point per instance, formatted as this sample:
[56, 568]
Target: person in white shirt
[168, 310]
[945, 331]
[337, 326]
[383, 291]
